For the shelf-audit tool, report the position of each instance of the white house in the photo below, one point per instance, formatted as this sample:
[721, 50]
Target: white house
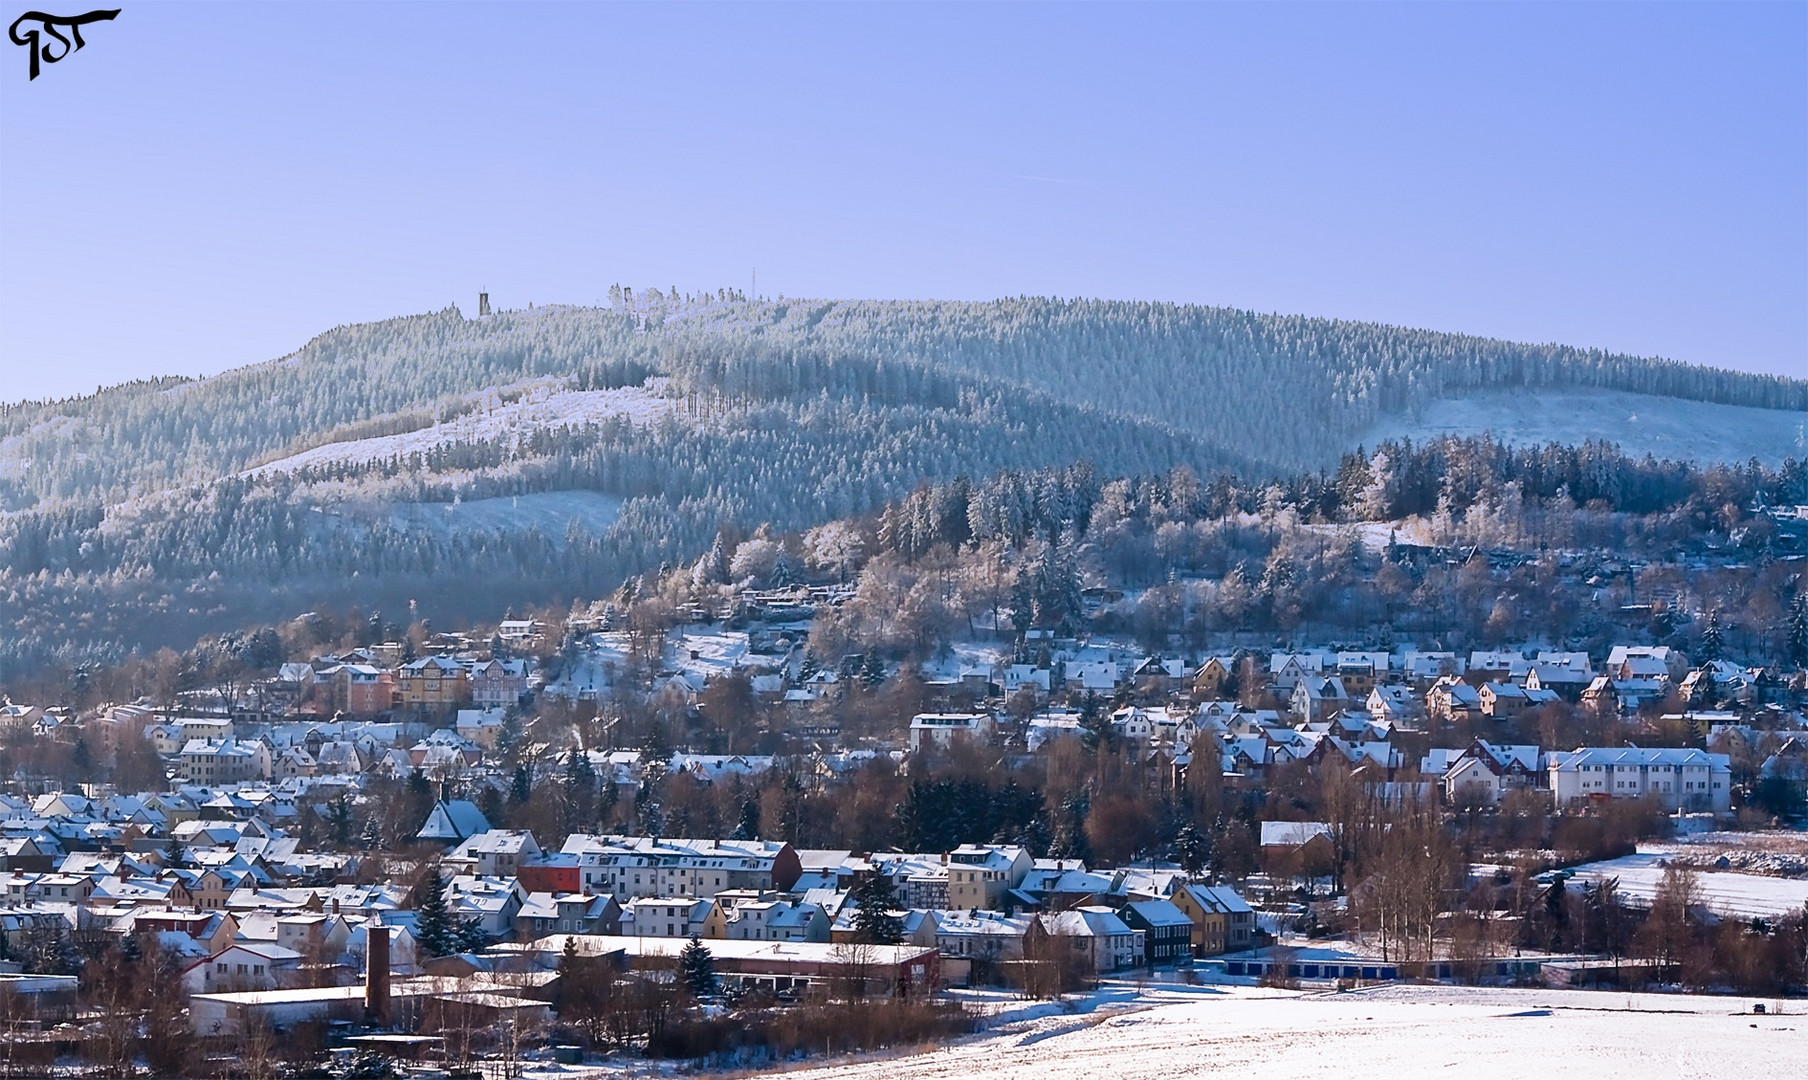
[941, 729]
[1679, 779]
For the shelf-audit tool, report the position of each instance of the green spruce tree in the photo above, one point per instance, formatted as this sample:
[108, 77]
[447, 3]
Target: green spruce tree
[697, 968]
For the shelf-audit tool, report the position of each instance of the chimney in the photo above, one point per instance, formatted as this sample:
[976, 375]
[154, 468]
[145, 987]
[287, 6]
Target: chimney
[376, 975]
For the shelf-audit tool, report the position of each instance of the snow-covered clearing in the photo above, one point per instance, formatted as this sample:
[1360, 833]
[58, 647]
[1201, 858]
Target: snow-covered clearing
[1722, 891]
[1256, 1034]
[544, 404]
[1640, 423]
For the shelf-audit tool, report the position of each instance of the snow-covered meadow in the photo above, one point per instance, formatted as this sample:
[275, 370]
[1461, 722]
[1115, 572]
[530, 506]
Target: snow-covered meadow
[544, 403]
[1406, 1031]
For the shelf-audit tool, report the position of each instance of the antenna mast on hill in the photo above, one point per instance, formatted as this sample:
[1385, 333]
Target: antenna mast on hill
[755, 294]
[483, 304]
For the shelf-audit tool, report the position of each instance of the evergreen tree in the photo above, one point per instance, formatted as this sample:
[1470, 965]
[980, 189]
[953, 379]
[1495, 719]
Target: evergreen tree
[342, 820]
[1712, 639]
[522, 787]
[1095, 723]
[1190, 849]
[749, 825]
[433, 921]
[697, 968]
[1797, 640]
[874, 921]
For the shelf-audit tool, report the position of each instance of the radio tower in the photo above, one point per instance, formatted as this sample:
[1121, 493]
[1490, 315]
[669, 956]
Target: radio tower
[483, 304]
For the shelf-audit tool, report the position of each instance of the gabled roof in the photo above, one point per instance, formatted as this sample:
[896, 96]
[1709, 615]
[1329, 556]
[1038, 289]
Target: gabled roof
[453, 820]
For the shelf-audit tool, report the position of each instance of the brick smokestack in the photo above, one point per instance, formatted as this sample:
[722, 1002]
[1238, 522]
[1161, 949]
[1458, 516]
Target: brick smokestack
[376, 974]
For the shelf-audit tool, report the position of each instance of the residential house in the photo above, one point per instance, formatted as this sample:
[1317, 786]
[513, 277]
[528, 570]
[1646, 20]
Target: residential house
[1167, 930]
[1315, 699]
[498, 684]
[545, 913]
[1222, 920]
[665, 916]
[1107, 942]
[496, 852]
[225, 761]
[980, 874]
[1679, 779]
[939, 730]
[433, 684]
[1479, 774]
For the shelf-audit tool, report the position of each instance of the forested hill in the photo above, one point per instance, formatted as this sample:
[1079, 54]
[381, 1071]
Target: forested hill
[1286, 391]
[537, 455]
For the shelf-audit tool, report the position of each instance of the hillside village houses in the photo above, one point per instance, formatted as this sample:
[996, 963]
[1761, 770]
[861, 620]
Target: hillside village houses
[224, 861]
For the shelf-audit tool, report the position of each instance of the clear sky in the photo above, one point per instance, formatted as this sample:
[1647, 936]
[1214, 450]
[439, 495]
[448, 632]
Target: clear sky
[205, 186]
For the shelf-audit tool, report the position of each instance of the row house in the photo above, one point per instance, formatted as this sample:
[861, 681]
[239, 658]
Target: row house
[638, 866]
[226, 761]
[545, 913]
[1679, 779]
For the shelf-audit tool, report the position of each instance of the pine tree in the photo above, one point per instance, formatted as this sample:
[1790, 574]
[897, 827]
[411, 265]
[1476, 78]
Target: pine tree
[432, 920]
[697, 968]
[874, 921]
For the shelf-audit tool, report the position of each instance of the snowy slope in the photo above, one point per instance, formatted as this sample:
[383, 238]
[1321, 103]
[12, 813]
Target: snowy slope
[544, 404]
[1401, 1033]
[1640, 423]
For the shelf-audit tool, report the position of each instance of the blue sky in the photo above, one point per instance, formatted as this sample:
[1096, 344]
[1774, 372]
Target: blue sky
[205, 186]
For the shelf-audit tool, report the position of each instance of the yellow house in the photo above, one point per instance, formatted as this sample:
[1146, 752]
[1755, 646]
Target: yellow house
[433, 683]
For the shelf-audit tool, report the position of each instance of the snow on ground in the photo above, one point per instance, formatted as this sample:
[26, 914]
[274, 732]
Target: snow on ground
[1773, 852]
[1722, 891]
[1640, 423]
[1256, 1034]
[545, 404]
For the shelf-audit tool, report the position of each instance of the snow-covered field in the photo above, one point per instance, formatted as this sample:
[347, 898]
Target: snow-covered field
[1640, 423]
[544, 404]
[1399, 1032]
[1722, 891]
